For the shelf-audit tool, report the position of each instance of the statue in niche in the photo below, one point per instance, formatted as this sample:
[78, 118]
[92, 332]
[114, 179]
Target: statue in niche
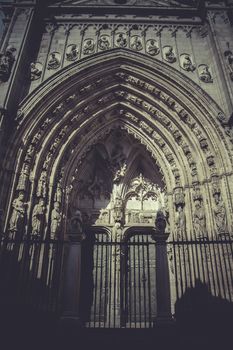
[55, 221]
[72, 52]
[88, 46]
[18, 213]
[186, 63]
[23, 177]
[104, 42]
[169, 54]
[29, 153]
[54, 61]
[35, 71]
[42, 188]
[121, 40]
[6, 62]
[204, 74]
[220, 215]
[37, 217]
[136, 43]
[199, 220]
[118, 209]
[117, 231]
[180, 222]
[58, 193]
[152, 47]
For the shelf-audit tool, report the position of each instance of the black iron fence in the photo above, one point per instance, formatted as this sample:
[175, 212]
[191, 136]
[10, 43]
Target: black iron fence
[118, 282]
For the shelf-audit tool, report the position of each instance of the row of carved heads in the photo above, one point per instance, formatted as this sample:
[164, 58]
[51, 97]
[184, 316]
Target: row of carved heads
[104, 43]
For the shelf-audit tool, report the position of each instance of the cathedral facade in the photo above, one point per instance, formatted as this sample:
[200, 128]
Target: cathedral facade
[116, 154]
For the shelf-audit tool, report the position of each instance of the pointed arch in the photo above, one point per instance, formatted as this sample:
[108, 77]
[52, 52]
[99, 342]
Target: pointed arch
[172, 117]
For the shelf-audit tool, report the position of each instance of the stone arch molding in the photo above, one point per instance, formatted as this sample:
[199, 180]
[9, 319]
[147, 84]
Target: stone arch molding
[174, 119]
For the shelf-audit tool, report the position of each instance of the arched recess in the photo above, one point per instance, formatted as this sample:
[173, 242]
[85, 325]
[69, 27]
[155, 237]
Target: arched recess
[173, 122]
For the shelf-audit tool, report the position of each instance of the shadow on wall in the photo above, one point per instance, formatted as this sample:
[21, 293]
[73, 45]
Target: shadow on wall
[199, 313]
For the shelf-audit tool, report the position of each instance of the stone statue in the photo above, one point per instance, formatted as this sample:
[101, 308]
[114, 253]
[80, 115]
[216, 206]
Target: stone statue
[104, 43]
[205, 75]
[121, 40]
[187, 63]
[117, 231]
[118, 209]
[88, 46]
[72, 54]
[41, 188]
[160, 222]
[169, 55]
[23, 177]
[152, 47]
[18, 213]
[220, 215]
[180, 222]
[76, 223]
[6, 62]
[136, 43]
[35, 72]
[53, 62]
[37, 216]
[199, 220]
[55, 220]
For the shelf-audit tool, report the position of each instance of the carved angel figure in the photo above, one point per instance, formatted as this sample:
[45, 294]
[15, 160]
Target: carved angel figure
[55, 220]
[136, 43]
[121, 40]
[37, 216]
[187, 64]
[53, 62]
[88, 46]
[17, 216]
[72, 53]
[152, 47]
[205, 75]
[169, 54]
[35, 72]
[104, 43]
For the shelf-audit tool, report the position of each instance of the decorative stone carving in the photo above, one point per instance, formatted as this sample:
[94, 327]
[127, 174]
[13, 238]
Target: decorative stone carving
[42, 185]
[152, 47]
[220, 215]
[186, 62]
[199, 220]
[169, 54]
[55, 221]
[197, 196]
[179, 196]
[136, 43]
[23, 177]
[35, 70]
[72, 52]
[103, 217]
[180, 222]
[76, 224]
[117, 232]
[121, 40]
[29, 153]
[88, 46]
[104, 42]
[229, 60]
[37, 217]
[120, 173]
[6, 62]
[17, 216]
[204, 73]
[160, 222]
[36, 138]
[118, 209]
[54, 60]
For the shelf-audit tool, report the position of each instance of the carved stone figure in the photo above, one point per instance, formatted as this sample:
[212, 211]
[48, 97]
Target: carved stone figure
[169, 54]
[104, 42]
[72, 52]
[220, 215]
[118, 209]
[23, 177]
[55, 221]
[229, 57]
[6, 62]
[117, 232]
[54, 61]
[152, 47]
[136, 43]
[42, 188]
[35, 71]
[121, 40]
[17, 216]
[76, 223]
[37, 217]
[58, 193]
[120, 173]
[88, 46]
[199, 220]
[186, 63]
[204, 74]
[180, 222]
[160, 222]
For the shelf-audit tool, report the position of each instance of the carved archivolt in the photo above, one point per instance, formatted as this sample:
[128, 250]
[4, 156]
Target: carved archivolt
[159, 108]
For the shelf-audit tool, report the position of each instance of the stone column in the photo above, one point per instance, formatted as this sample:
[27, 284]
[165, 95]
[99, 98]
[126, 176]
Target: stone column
[72, 272]
[162, 272]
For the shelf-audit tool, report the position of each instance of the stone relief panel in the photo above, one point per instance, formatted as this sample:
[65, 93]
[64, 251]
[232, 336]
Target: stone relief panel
[169, 54]
[54, 61]
[186, 62]
[72, 52]
[35, 70]
[205, 74]
[7, 59]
